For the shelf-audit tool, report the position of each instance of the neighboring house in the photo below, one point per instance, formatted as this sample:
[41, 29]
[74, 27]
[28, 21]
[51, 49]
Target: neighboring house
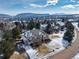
[7, 25]
[43, 26]
[62, 25]
[54, 27]
[57, 28]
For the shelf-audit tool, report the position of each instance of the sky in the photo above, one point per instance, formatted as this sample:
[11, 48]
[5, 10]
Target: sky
[13, 7]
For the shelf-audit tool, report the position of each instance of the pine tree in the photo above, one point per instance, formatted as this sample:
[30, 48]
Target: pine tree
[69, 26]
[16, 32]
[69, 34]
[7, 45]
[48, 29]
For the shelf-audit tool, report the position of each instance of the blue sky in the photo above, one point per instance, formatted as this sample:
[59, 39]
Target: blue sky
[14, 7]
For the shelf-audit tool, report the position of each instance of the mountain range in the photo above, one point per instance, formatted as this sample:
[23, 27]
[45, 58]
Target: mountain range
[24, 15]
[4, 16]
[29, 14]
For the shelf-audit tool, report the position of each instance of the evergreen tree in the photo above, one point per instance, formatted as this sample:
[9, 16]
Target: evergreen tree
[33, 24]
[48, 29]
[16, 32]
[69, 34]
[7, 45]
[37, 25]
[69, 26]
[63, 20]
[78, 23]
[30, 25]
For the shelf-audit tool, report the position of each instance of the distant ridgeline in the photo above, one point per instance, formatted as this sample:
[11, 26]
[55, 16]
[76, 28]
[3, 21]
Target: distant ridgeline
[32, 16]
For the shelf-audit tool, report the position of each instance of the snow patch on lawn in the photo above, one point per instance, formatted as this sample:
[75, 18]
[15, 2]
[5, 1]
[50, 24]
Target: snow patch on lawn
[32, 53]
[55, 46]
[76, 56]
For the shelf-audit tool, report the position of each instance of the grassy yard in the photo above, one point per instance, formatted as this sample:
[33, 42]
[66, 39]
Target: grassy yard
[54, 36]
[16, 55]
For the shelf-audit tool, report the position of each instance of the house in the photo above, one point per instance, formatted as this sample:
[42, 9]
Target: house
[52, 28]
[57, 28]
[43, 26]
[34, 37]
[62, 26]
[7, 25]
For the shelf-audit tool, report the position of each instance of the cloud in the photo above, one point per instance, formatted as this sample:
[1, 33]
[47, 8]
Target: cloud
[70, 6]
[78, 2]
[49, 2]
[74, 1]
[52, 2]
[38, 6]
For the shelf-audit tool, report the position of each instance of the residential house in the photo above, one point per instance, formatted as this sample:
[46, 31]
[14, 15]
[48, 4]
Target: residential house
[43, 26]
[34, 37]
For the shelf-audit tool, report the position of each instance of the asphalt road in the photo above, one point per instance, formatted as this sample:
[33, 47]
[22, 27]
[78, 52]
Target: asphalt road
[69, 52]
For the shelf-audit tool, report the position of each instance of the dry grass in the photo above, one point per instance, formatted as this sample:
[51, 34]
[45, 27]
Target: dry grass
[42, 50]
[53, 36]
[16, 55]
